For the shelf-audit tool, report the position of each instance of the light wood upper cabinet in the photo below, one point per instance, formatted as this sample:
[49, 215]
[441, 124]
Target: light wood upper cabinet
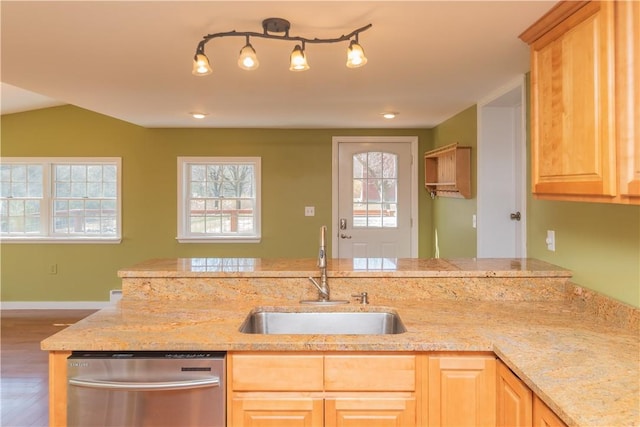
[513, 400]
[584, 139]
[461, 391]
[628, 96]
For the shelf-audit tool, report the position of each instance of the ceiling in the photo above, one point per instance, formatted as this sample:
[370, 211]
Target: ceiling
[131, 60]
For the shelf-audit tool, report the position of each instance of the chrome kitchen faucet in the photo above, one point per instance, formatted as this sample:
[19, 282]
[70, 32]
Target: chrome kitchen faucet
[324, 296]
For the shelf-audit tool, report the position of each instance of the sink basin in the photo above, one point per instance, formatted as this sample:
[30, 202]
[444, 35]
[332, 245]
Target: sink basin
[324, 322]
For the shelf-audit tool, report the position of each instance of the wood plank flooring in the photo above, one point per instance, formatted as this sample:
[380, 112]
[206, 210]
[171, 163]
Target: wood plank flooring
[24, 372]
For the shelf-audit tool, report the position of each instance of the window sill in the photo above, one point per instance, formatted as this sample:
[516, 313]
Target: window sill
[209, 239]
[61, 240]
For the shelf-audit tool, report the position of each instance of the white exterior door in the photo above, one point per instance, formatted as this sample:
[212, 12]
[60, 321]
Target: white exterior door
[502, 175]
[374, 182]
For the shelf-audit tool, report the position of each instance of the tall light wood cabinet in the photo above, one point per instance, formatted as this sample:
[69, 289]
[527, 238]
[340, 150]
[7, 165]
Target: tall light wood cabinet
[584, 120]
[461, 391]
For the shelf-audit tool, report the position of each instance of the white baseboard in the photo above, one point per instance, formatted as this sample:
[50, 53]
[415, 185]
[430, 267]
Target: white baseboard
[53, 305]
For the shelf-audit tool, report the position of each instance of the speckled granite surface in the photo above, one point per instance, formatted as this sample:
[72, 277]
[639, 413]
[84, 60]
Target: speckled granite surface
[583, 366]
[355, 267]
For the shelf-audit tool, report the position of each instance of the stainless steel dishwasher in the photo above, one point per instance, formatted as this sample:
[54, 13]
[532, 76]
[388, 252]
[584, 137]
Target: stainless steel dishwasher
[146, 389]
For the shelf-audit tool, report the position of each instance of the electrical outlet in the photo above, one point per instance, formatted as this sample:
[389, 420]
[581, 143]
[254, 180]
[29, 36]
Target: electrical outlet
[309, 211]
[551, 240]
[53, 268]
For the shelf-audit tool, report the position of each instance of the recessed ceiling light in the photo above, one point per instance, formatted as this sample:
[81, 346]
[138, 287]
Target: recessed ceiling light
[390, 114]
[198, 115]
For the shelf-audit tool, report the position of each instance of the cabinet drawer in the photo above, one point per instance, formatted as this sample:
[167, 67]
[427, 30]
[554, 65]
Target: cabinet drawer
[276, 372]
[370, 373]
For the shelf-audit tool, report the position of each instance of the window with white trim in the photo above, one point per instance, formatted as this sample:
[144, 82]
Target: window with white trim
[219, 199]
[60, 200]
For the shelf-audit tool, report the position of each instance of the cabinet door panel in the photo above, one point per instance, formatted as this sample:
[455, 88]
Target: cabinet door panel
[628, 96]
[573, 136]
[543, 416]
[462, 391]
[275, 411]
[392, 411]
[514, 400]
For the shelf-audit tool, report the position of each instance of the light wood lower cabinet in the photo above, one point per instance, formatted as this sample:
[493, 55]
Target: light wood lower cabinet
[513, 400]
[357, 389]
[318, 389]
[461, 391]
[518, 406]
[543, 416]
[361, 389]
[384, 410]
[276, 410]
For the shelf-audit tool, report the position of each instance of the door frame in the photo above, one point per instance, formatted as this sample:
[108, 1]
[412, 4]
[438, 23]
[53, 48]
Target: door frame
[335, 141]
[520, 150]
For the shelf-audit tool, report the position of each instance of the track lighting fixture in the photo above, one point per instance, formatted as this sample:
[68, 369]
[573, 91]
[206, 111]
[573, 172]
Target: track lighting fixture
[248, 59]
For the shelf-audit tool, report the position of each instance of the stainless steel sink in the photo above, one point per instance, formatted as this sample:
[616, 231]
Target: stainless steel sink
[325, 322]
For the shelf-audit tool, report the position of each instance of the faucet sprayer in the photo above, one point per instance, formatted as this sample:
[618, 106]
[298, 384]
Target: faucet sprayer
[322, 254]
[324, 296]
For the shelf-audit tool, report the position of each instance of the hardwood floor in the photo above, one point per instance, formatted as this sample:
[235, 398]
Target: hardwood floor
[24, 372]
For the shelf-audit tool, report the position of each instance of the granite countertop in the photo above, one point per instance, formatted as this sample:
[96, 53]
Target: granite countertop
[341, 267]
[584, 368]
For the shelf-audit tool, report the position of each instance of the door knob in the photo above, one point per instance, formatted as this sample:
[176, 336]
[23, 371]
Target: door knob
[344, 236]
[515, 216]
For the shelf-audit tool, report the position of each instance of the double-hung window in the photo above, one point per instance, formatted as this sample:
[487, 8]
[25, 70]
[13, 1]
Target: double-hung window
[74, 200]
[219, 199]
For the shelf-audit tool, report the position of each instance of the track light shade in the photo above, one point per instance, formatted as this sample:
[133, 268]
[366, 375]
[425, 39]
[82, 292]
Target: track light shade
[248, 59]
[201, 66]
[355, 55]
[298, 60]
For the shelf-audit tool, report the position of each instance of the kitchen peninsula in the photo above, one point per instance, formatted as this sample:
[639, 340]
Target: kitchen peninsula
[576, 351]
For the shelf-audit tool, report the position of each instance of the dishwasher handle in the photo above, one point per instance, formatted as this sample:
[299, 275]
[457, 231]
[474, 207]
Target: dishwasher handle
[146, 386]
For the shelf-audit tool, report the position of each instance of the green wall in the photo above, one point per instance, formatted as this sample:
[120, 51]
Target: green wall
[452, 217]
[296, 172]
[599, 242]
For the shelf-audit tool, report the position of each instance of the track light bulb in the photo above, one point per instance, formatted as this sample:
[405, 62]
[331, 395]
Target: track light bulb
[248, 59]
[298, 60]
[355, 55]
[201, 66]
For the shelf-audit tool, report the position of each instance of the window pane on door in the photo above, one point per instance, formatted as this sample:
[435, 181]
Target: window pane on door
[375, 189]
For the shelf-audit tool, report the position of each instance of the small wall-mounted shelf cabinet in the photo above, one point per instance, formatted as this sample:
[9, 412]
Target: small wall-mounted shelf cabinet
[447, 171]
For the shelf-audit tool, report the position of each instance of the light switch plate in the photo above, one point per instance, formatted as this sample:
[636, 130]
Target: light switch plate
[551, 240]
[309, 211]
